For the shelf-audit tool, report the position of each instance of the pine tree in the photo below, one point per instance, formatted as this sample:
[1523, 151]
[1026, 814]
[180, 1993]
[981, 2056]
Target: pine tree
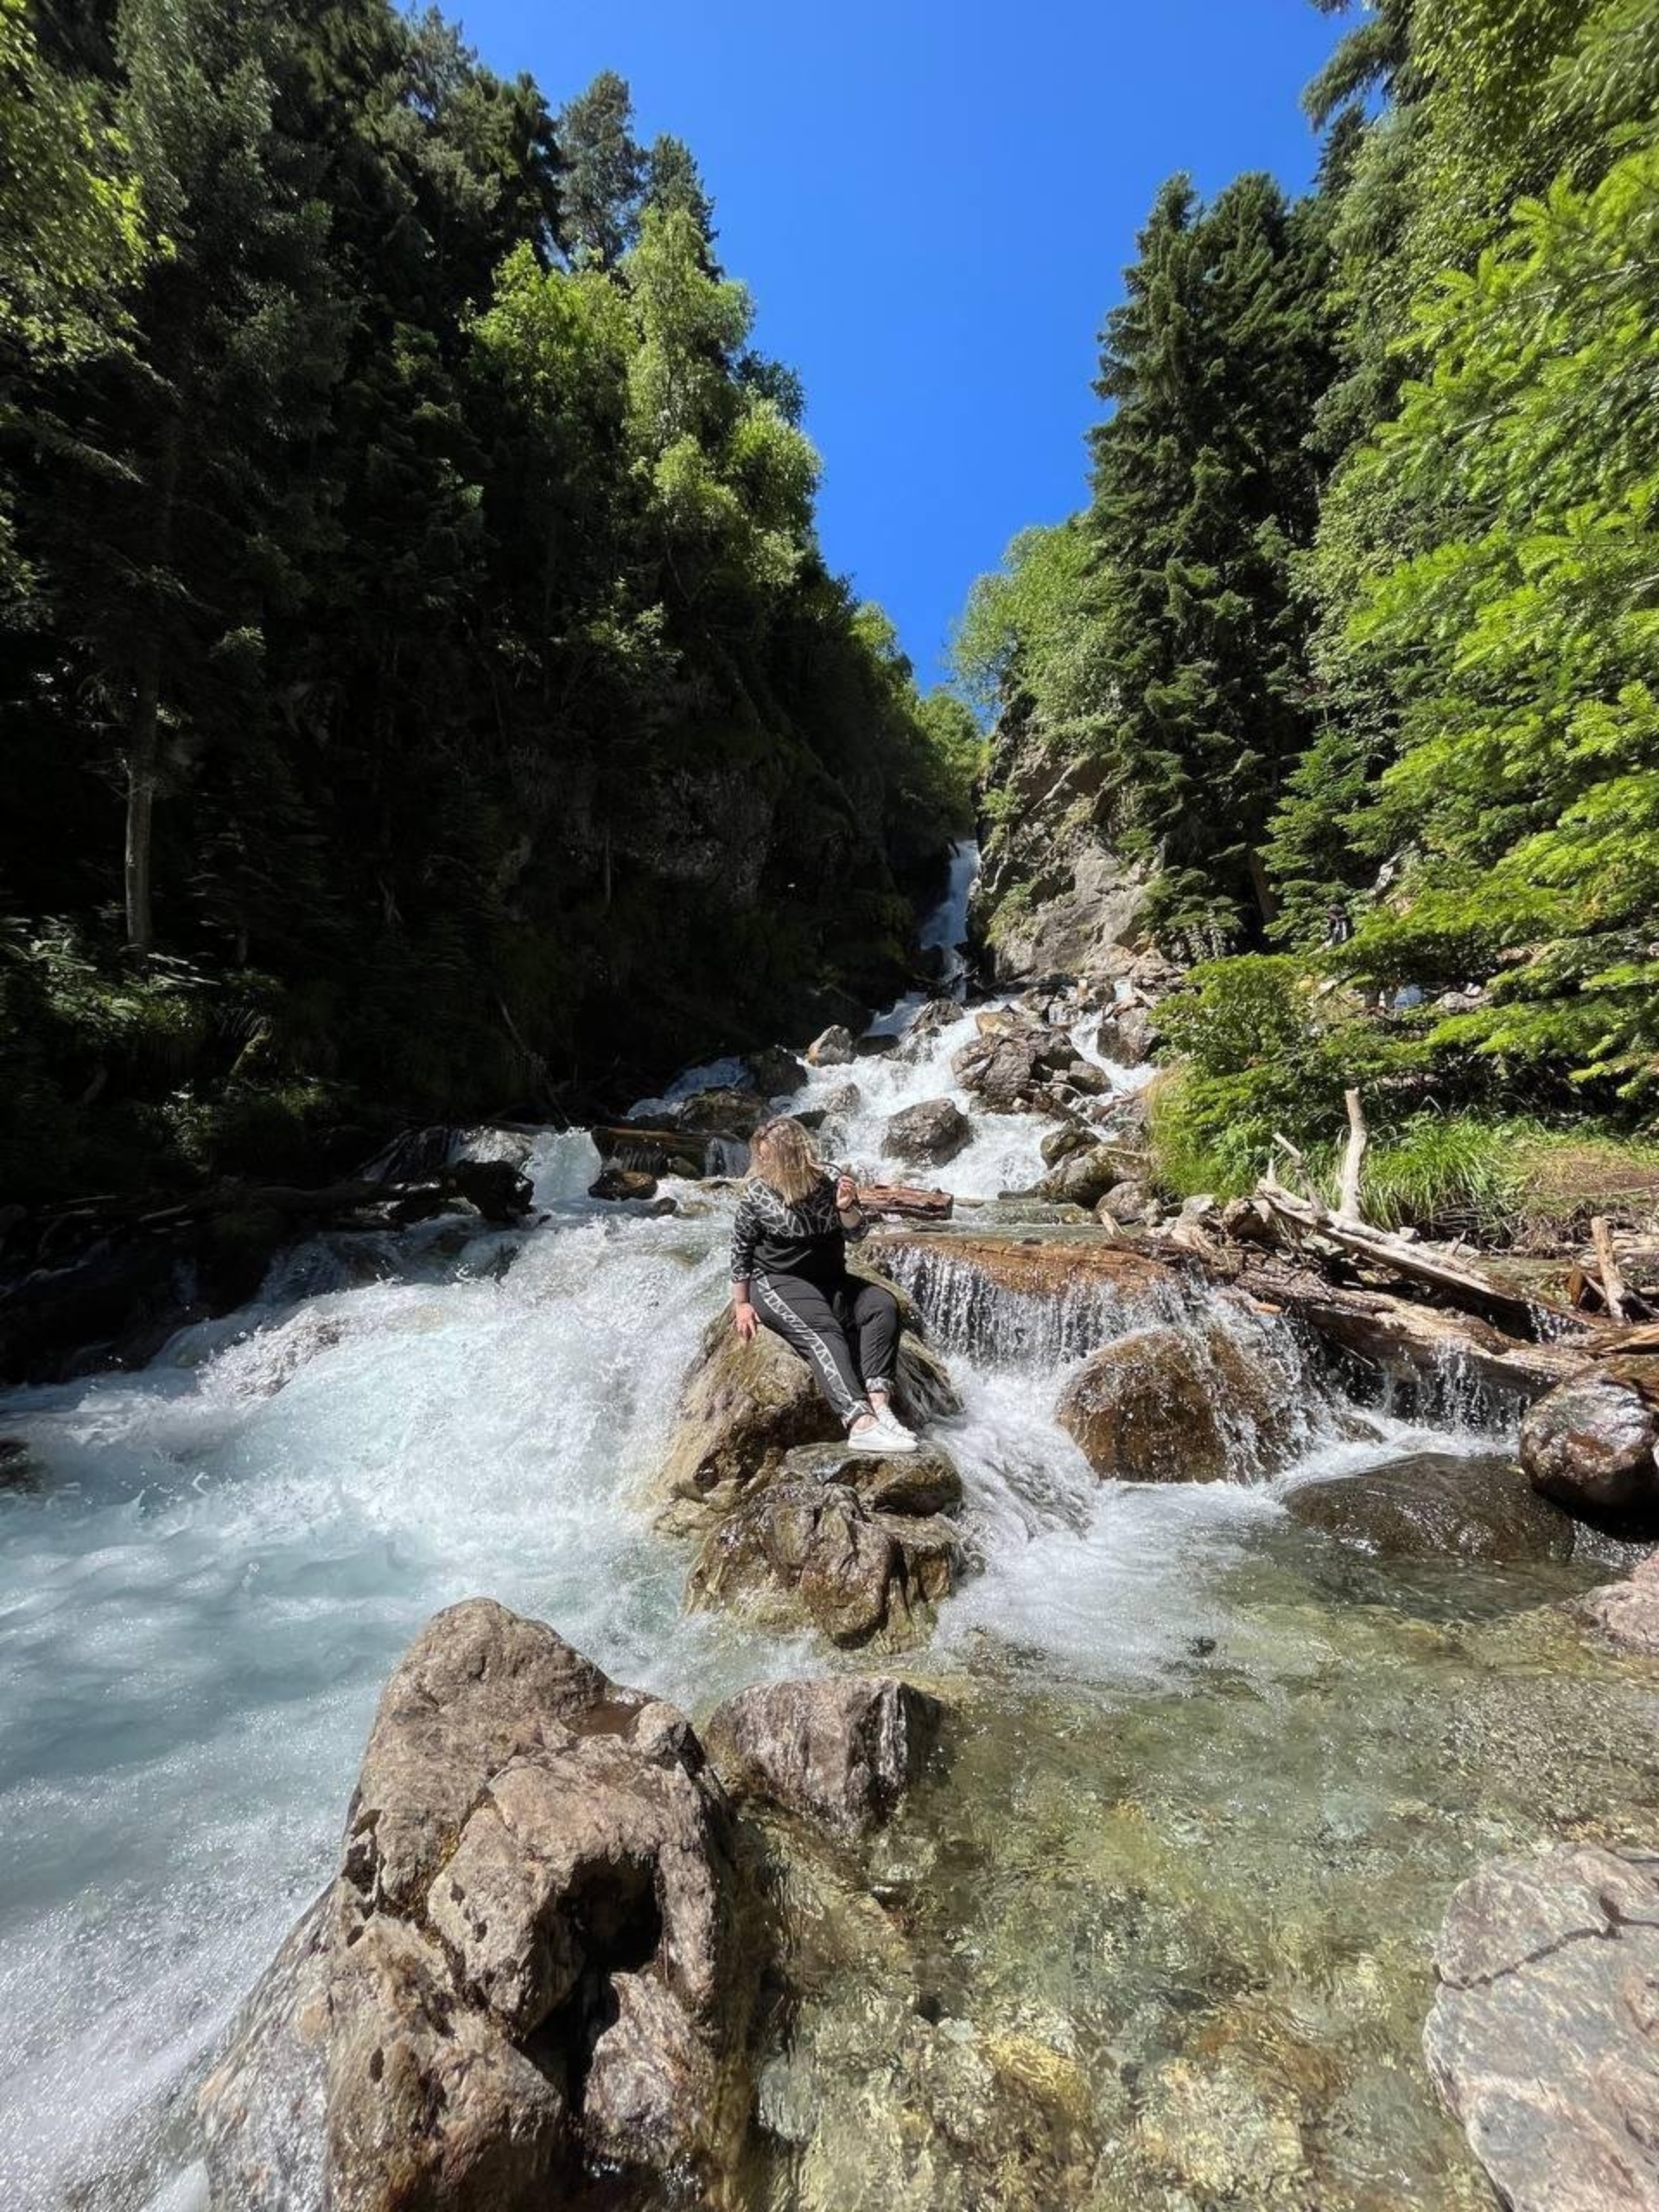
[1202, 489]
[605, 173]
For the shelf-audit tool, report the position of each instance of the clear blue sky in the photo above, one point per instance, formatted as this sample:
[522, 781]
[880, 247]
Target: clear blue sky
[932, 201]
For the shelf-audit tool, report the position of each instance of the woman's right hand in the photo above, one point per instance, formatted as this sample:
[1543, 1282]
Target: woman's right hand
[745, 1320]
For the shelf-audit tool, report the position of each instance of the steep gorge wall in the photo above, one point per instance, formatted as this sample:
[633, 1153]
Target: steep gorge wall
[1052, 894]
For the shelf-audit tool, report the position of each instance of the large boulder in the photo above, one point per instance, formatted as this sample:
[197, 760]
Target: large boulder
[804, 1550]
[743, 1406]
[718, 1113]
[1437, 1505]
[775, 1072]
[841, 1751]
[1543, 2039]
[1127, 1034]
[1180, 1404]
[1082, 1177]
[834, 1048]
[929, 1133]
[533, 1960]
[1008, 1066]
[1589, 1444]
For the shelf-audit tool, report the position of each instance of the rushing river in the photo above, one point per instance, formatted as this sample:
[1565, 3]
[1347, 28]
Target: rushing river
[1216, 1776]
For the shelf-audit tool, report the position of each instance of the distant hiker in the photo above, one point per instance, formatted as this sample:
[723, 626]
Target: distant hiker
[789, 1273]
[1338, 923]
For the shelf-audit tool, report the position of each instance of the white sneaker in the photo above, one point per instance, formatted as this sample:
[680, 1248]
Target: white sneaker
[884, 1436]
[888, 1419]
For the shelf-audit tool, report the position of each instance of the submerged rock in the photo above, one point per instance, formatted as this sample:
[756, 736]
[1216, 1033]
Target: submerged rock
[533, 1960]
[1179, 1404]
[743, 1406]
[1589, 1444]
[840, 1751]
[834, 1048]
[801, 1549]
[1543, 2038]
[931, 1132]
[1437, 1505]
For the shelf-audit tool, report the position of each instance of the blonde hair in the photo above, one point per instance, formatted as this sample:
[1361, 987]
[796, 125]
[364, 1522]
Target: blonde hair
[780, 1154]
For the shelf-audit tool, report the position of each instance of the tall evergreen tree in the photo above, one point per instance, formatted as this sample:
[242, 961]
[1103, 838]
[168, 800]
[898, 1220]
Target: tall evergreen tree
[1203, 490]
[606, 172]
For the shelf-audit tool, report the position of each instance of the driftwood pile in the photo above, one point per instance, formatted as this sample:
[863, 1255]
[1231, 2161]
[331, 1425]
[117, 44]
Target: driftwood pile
[1391, 1298]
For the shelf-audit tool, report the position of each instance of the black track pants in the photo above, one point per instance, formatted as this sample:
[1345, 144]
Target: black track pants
[846, 1332]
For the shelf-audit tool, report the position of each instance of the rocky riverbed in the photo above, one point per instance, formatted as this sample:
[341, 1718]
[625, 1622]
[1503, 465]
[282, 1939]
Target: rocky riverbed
[1216, 1640]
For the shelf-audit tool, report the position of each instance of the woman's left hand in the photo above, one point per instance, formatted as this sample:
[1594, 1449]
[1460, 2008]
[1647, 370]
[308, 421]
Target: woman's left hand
[846, 1194]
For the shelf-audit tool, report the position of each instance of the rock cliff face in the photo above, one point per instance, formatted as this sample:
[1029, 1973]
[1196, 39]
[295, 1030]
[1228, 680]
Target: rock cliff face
[1052, 895]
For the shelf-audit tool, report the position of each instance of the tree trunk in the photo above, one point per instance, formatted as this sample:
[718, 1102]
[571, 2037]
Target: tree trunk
[144, 735]
[144, 751]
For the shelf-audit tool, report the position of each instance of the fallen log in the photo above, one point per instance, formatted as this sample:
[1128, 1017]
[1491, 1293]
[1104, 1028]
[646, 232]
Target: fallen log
[905, 1201]
[1462, 1285]
[628, 1141]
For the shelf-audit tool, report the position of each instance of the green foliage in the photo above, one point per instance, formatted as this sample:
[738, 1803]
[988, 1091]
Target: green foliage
[1522, 639]
[423, 592]
[72, 231]
[1263, 1051]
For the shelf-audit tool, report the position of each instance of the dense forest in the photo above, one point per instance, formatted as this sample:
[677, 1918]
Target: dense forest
[1348, 664]
[422, 689]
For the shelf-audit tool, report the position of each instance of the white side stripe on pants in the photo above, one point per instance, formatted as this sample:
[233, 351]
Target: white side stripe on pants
[798, 1334]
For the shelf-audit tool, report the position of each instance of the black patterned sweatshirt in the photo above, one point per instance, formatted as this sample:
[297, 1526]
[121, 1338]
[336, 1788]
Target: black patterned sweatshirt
[771, 1237]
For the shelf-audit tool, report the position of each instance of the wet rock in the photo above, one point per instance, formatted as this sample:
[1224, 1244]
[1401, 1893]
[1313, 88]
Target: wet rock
[1169, 1404]
[1007, 1066]
[910, 1482]
[261, 2107]
[1127, 1034]
[1084, 1077]
[842, 1751]
[845, 1099]
[1128, 1203]
[1543, 2039]
[719, 1113]
[617, 1182]
[1082, 1178]
[798, 1550]
[878, 1047]
[1589, 1444]
[775, 1072]
[17, 1469]
[532, 1961]
[495, 1188]
[835, 1048]
[1625, 1614]
[932, 1132]
[926, 1025]
[1041, 1260]
[744, 1406]
[1059, 1144]
[1437, 1505]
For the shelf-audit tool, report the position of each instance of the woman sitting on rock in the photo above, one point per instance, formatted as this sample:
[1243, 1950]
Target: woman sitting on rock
[789, 1271]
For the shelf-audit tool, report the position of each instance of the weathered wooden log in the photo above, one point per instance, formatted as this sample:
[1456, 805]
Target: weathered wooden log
[627, 1141]
[1462, 1285]
[908, 1202]
[1615, 1296]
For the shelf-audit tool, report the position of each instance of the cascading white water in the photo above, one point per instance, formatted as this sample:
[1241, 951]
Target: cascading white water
[227, 1551]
